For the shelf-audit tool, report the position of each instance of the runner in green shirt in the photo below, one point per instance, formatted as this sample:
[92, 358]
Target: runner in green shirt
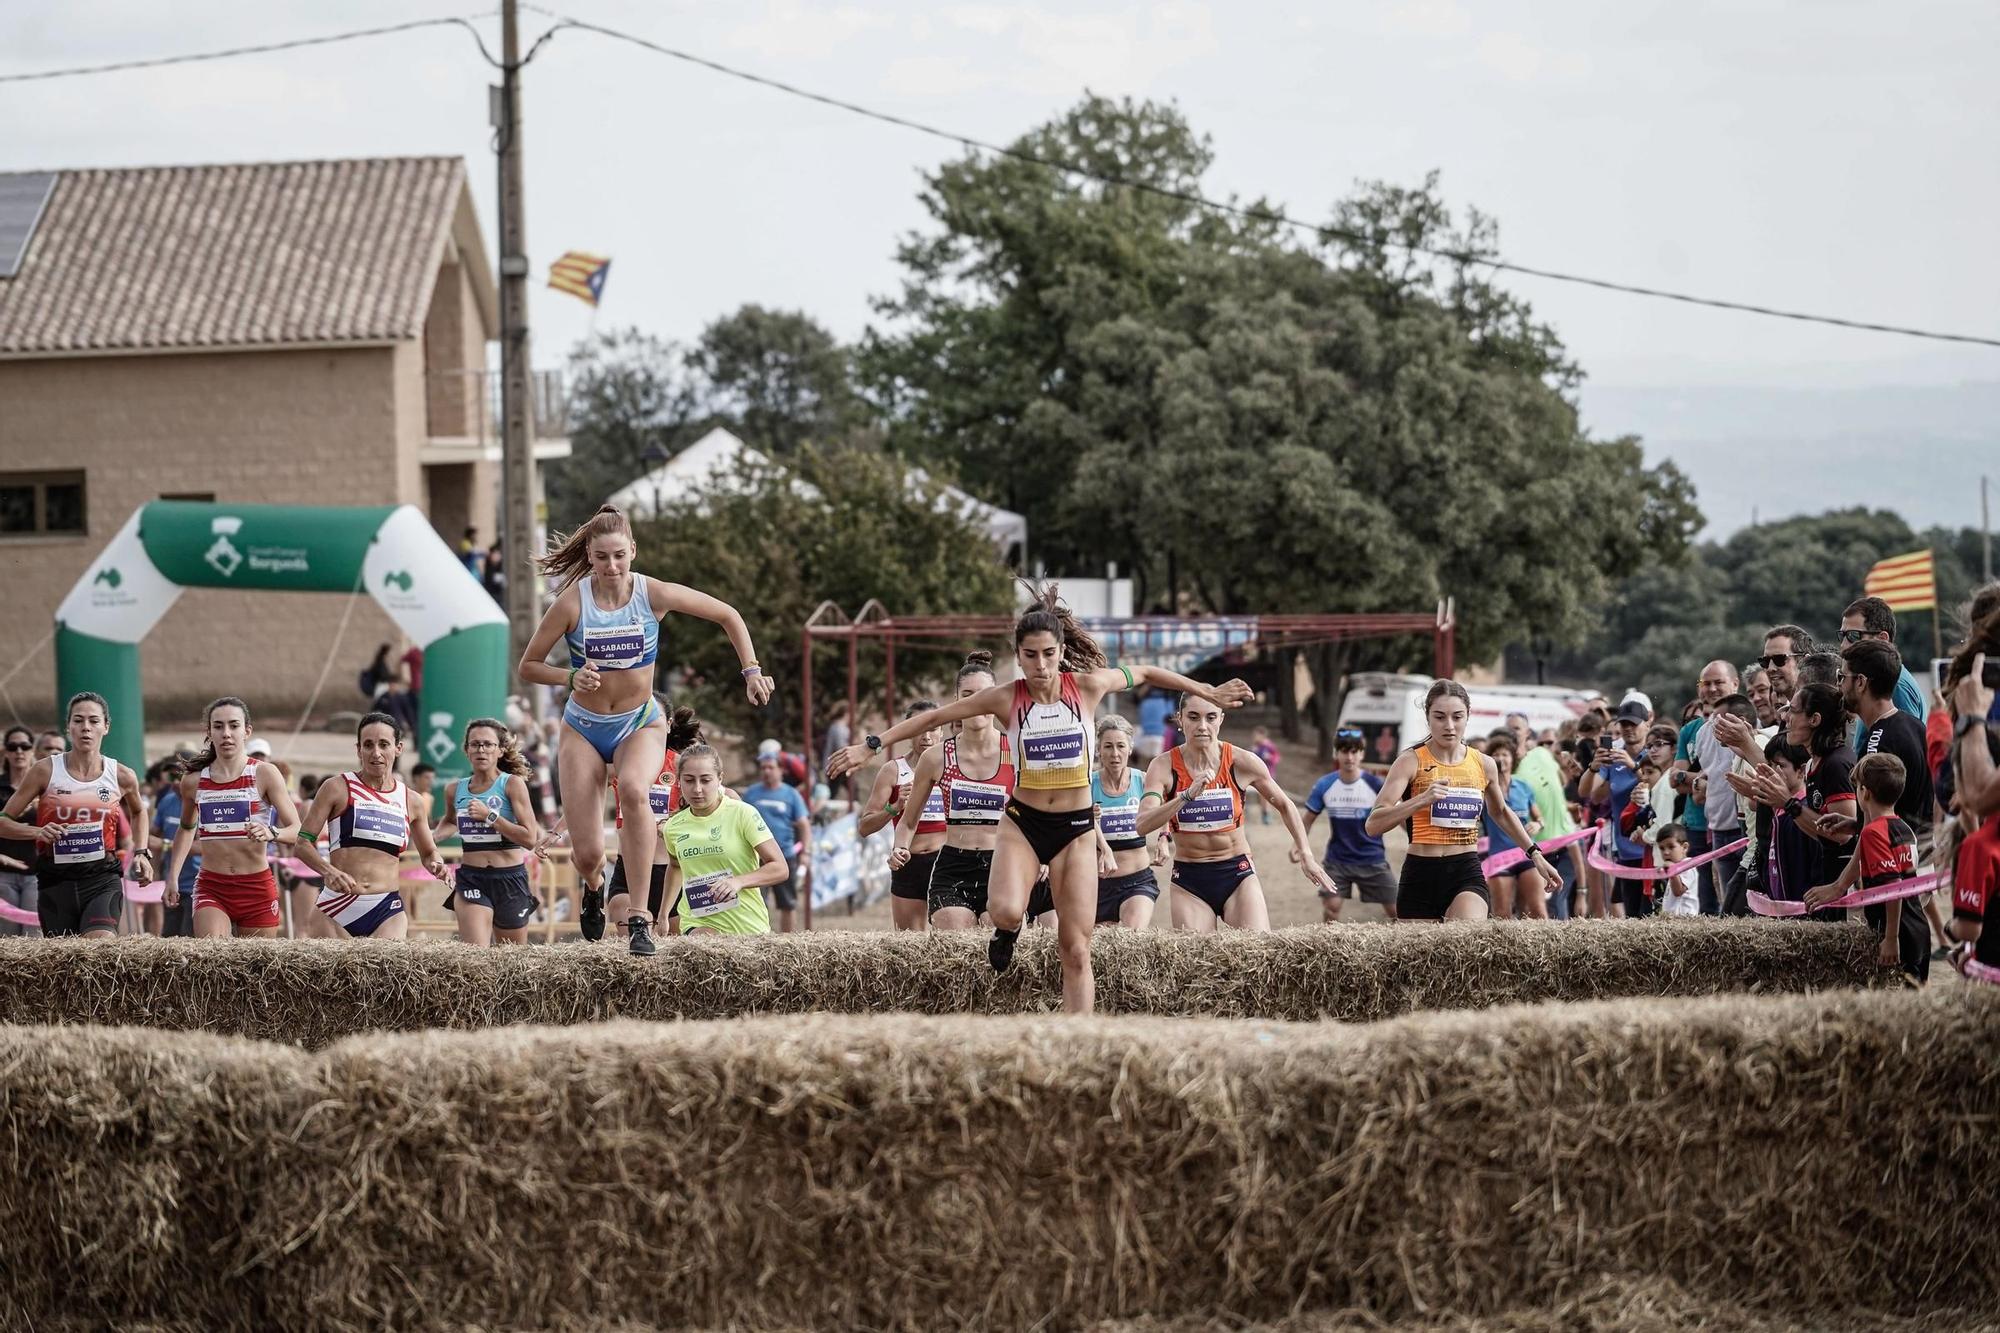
[723, 851]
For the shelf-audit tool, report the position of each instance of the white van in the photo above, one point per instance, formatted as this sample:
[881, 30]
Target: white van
[1388, 710]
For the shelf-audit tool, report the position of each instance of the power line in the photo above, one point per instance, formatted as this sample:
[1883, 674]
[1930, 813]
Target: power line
[1192, 198]
[1255, 214]
[197, 57]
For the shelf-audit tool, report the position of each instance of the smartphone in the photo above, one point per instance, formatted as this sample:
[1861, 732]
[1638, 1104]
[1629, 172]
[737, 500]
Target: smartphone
[1618, 744]
[1990, 677]
[1940, 668]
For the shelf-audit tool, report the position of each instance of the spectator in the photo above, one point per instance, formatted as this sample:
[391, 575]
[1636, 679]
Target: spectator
[1887, 853]
[790, 823]
[838, 735]
[1871, 693]
[1523, 730]
[50, 743]
[176, 922]
[1155, 706]
[1540, 767]
[468, 552]
[1718, 680]
[385, 687]
[1822, 666]
[495, 577]
[1609, 783]
[1262, 746]
[18, 886]
[413, 669]
[1729, 734]
[1817, 722]
[1355, 859]
[1788, 857]
[1757, 684]
[422, 779]
[1660, 792]
[1971, 780]
[1785, 647]
[1680, 895]
[1869, 620]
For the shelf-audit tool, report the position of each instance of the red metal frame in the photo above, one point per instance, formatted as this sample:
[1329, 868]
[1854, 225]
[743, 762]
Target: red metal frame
[873, 621]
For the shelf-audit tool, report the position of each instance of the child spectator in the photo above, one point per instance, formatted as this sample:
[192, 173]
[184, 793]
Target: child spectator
[1790, 857]
[1887, 852]
[1682, 895]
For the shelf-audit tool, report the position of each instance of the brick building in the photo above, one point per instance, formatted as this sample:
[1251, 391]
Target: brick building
[298, 332]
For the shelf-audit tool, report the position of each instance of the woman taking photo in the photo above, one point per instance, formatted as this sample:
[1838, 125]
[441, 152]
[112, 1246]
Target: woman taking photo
[1047, 713]
[370, 815]
[973, 774]
[909, 879]
[495, 822]
[609, 617]
[1450, 787]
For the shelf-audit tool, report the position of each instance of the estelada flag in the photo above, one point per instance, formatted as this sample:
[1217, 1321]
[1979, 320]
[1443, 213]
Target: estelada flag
[1905, 582]
[581, 275]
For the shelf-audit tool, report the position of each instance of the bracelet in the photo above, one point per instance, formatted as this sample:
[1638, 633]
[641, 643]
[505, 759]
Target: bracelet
[570, 684]
[752, 670]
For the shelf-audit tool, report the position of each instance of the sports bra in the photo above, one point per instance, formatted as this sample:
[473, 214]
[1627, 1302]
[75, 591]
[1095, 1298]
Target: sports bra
[227, 809]
[480, 835]
[1453, 819]
[1218, 808]
[1118, 812]
[970, 800]
[932, 819]
[1054, 741]
[376, 820]
[85, 815]
[624, 639]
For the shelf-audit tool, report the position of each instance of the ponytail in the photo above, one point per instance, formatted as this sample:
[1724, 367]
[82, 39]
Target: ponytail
[182, 767]
[510, 761]
[978, 662]
[1047, 615]
[569, 558]
[683, 731]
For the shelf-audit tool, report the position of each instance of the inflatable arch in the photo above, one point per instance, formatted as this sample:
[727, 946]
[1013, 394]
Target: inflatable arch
[391, 551]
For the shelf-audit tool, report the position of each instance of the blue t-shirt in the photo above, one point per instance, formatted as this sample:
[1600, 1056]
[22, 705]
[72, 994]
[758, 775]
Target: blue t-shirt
[1153, 711]
[1346, 806]
[167, 823]
[1909, 699]
[1521, 800]
[1695, 817]
[780, 806]
[1623, 779]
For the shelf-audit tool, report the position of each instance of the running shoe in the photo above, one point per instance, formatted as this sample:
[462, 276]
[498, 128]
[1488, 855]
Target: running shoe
[591, 919]
[1000, 949]
[642, 937]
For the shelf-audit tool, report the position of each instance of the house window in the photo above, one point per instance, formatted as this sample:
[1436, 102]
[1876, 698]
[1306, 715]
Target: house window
[34, 504]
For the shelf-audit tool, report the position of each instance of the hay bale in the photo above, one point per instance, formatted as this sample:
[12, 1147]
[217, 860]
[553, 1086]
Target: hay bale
[1801, 1155]
[315, 993]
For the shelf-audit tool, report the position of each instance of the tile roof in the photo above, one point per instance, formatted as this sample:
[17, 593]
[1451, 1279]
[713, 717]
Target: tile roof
[181, 258]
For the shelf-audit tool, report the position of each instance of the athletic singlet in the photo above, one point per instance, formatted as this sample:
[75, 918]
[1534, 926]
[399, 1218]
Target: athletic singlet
[1118, 812]
[481, 835]
[664, 796]
[970, 800]
[1453, 819]
[376, 820]
[1054, 741]
[85, 812]
[227, 809]
[932, 819]
[621, 640]
[1219, 806]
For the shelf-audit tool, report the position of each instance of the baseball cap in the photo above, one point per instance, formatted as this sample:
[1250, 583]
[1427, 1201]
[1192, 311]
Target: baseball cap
[259, 747]
[1639, 697]
[768, 749]
[1633, 711]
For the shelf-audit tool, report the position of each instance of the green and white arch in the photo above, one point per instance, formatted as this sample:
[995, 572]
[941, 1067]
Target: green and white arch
[391, 550]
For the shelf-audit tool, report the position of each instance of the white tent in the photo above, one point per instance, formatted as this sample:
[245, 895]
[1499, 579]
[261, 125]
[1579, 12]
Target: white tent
[712, 463]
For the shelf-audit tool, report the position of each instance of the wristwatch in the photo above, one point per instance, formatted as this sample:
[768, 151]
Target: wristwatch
[1965, 727]
[872, 742]
[1793, 806]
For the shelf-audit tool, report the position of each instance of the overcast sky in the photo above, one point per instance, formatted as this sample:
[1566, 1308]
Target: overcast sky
[1827, 156]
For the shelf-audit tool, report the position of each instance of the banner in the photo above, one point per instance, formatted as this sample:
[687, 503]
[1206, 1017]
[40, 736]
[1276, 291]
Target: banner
[1905, 582]
[845, 865]
[1177, 645]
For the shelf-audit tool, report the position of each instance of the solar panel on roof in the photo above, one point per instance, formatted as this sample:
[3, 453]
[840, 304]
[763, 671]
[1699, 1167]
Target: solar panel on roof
[23, 195]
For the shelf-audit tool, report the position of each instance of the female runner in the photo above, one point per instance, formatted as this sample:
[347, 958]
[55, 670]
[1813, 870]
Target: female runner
[1196, 789]
[723, 852]
[1126, 896]
[494, 818]
[370, 815]
[612, 726]
[1047, 712]
[909, 882]
[1450, 786]
[973, 803]
[235, 805]
[77, 796]
[663, 798]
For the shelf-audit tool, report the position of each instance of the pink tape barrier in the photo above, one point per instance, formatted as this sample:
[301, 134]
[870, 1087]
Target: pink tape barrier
[1501, 862]
[1881, 893]
[135, 892]
[20, 917]
[1597, 862]
[1978, 971]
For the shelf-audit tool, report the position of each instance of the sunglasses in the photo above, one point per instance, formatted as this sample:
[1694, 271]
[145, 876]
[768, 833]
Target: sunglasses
[20, 747]
[1853, 635]
[1772, 661]
[1347, 734]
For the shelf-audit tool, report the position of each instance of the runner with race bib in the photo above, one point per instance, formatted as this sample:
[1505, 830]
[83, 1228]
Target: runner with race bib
[724, 851]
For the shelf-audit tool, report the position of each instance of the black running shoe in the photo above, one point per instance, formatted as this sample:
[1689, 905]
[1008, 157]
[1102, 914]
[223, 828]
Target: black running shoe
[642, 937]
[1000, 949]
[591, 919]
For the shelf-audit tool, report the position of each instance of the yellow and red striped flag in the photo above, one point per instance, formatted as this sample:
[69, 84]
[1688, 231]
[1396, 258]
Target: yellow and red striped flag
[581, 275]
[1905, 582]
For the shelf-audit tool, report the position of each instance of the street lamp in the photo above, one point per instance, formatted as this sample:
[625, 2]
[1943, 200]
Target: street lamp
[655, 457]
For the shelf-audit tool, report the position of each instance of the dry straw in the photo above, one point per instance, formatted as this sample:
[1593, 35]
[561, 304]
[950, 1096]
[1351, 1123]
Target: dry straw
[1804, 1155]
[317, 993]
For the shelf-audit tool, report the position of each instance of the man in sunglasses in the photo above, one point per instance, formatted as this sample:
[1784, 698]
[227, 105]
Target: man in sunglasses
[1870, 618]
[1785, 647]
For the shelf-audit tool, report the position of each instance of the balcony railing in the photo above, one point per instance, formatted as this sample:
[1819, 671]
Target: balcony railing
[465, 405]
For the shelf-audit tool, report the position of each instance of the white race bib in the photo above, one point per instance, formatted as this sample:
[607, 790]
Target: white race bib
[1214, 811]
[977, 802]
[78, 842]
[223, 813]
[1119, 822]
[1458, 808]
[703, 897]
[614, 647]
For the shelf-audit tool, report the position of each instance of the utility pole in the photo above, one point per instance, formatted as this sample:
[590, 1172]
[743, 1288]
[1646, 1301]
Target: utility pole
[517, 450]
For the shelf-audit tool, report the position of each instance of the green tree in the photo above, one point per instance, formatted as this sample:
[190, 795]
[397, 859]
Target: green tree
[778, 378]
[776, 540]
[628, 392]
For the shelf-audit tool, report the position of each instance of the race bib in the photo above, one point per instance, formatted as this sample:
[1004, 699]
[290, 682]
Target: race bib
[1119, 822]
[1458, 809]
[78, 842]
[977, 802]
[473, 832]
[1054, 749]
[704, 896]
[616, 647]
[933, 812]
[1214, 811]
[661, 798]
[380, 823]
[223, 814]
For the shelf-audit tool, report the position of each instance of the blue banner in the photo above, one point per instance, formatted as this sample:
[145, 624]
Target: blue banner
[847, 866]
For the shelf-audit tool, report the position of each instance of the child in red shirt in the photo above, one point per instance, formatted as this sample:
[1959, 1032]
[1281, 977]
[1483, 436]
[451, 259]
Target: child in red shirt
[1887, 852]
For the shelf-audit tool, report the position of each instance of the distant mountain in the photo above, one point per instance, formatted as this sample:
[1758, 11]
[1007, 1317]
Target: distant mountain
[1780, 451]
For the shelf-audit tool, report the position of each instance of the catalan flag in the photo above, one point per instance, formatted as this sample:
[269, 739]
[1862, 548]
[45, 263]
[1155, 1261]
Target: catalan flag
[1905, 582]
[581, 275]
